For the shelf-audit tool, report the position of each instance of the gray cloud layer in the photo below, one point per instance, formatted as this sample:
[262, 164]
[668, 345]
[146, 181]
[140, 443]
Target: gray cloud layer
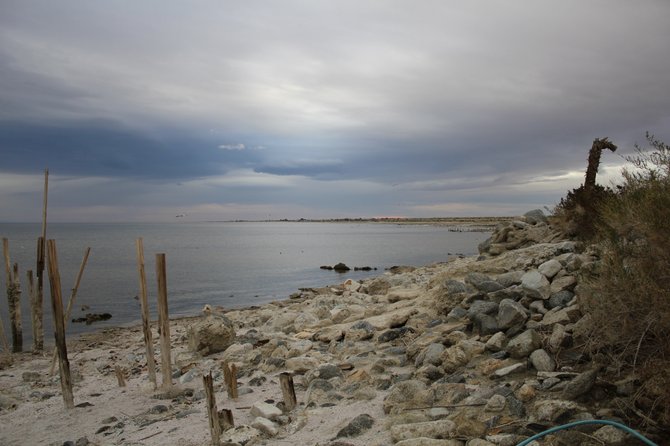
[302, 108]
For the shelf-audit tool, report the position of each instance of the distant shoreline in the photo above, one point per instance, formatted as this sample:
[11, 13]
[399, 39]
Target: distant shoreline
[485, 223]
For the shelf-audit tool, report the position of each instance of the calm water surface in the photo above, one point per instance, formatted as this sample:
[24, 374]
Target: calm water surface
[228, 264]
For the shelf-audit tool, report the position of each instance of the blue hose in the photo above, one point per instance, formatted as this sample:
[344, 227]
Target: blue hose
[580, 423]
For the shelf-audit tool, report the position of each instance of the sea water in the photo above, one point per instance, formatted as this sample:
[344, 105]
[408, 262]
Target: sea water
[230, 264]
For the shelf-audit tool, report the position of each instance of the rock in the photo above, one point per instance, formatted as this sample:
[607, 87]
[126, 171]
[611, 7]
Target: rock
[482, 307]
[563, 283]
[581, 384]
[429, 429]
[484, 324]
[266, 426]
[514, 368]
[559, 338]
[407, 395]
[351, 285]
[479, 442]
[551, 410]
[398, 294]
[329, 334]
[550, 268]
[477, 279]
[93, 317]
[341, 268]
[423, 441]
[535, 217]
[453, 358]
[611, 436]
[496, 342]
[265, 410]
[240, 435]
[324, 371]
[496, 403]
[510, 314]
[393, 334]
[510, 278]
[561, 316]
[301, 364]
[432, 354]
[378, 286]
[536, 285]
[560, 299]
[212, 334]
[360, 331]
[542, 361]
[524, 344]
[429, 373]
[356, 426]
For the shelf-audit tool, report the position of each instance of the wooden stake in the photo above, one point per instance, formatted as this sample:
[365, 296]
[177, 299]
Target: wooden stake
[31, 298]
[70, 303]
[226, 419]
[212, 412]
[230, 378]
[119, 376]
[288, 391]
[38, 340]
[13, 299]
[5, 343]
[164, 321]
[146, 327]
[59, 326]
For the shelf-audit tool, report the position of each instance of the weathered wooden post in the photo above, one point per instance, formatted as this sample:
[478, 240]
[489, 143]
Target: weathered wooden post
[212, 412]
[226, 419]
[288, 390]
[5, 343]
[38, 339]
[59, 326]
[31, 296]
[13, 299]
[164, 321]
[230, 378]
[70, 303]
[146, 327]
[120, 378]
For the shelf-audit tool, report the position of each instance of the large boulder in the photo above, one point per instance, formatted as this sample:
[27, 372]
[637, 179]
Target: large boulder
[212, 334]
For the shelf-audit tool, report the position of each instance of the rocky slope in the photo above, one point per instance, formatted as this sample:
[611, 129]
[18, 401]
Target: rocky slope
[478, 351]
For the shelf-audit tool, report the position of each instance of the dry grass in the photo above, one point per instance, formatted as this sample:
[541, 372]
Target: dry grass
[628, 297]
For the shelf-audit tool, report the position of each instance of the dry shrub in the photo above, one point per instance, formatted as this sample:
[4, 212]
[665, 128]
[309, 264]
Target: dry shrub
[629, 297]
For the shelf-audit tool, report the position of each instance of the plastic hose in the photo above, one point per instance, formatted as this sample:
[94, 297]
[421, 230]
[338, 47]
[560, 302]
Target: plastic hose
[580, 423]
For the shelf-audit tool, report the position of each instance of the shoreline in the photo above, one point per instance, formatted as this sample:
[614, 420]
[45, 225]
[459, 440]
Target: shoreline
[469, 351]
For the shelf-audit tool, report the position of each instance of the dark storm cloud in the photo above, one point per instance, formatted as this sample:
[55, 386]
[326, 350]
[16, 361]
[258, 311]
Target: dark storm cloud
[401, 106]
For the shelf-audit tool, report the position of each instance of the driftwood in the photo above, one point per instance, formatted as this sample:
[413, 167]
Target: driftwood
[594, 161]
[13, 299]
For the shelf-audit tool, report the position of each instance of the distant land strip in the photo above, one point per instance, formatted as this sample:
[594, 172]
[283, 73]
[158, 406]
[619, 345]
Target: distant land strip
[483, 223]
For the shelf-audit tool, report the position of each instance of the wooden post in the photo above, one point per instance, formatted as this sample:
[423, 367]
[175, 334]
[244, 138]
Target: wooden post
[5, 343]
[226, 419]
[146, 327]
[38, 340]
[212, 412]
[13, 299]
[164, 321]
[230, 378]
[59, 326]
[70, 303]
[31, 296]
[288, 391]
[119, 376]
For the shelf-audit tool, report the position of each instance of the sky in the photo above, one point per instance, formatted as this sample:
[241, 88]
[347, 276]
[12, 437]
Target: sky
[224, 110]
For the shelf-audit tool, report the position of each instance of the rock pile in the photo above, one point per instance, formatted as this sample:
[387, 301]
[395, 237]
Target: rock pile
[476, 352]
